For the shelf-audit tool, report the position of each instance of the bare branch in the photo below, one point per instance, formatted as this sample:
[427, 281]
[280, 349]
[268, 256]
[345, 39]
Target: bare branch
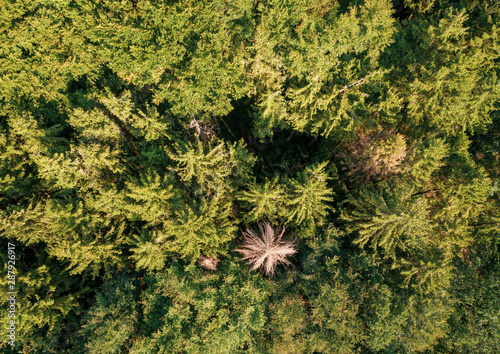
[267, 250]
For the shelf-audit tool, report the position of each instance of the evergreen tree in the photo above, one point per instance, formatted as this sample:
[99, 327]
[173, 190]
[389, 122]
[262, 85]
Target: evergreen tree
[324, 55]
[474, 325]
[374, 157]
[192, 310]
[309, 196]
[448, 70]
[391, 220]
[264, 201]
[394, 222]
[138, 137]
[110, 324]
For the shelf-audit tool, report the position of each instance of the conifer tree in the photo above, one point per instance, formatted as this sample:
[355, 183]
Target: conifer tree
[390, 220]
[205, 228]
[186, 307]
[309, 196]
[288, 323]
[333, 324]
[330, 67]
[118, 155]
[395, 222]
[46, 295]
[113, 320]
[426, 159]
[449, 71]
[374, 157]
[266, 201]
[217, 169]
[266, 249]
[474, 325]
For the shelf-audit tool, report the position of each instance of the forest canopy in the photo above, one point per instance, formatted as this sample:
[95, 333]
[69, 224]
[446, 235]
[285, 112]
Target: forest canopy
[245, 176]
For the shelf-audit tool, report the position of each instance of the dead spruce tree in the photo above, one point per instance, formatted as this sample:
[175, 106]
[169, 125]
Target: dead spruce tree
[267, 248]
[209, 263]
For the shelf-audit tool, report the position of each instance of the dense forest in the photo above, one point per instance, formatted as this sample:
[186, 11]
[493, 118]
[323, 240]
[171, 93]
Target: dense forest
[248, 176]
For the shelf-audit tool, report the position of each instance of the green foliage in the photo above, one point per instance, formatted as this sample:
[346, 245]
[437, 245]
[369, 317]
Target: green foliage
[329, 57]
[309, 196]
[202, 228]
[148, 197]
[475, 325]
[288, 324]
[148, 253]
[264, 201]
[427, 159]
[333, 298]
[390, 219]
[46, 296]
[194, 229]
[109, 325]
[197, 311]
[303, 201]
[427, 322]
[368, 128]
[212, 170]
[70, 232]
[450, 71]
[394, 222]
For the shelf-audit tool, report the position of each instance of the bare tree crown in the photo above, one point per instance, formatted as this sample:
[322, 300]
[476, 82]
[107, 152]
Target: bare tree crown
[267, 248]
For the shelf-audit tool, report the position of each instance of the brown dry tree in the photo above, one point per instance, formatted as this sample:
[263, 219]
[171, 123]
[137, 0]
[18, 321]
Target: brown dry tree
[374, 157]
[209, 263]
[204, 131]
[266, 249]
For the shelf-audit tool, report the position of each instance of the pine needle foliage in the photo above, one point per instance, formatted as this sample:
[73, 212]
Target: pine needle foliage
[310, 195]
[389, 220]
[264, 200]
[206, 227]
[111, 161]
[212, 167]
[374, 157]
[267, 248]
